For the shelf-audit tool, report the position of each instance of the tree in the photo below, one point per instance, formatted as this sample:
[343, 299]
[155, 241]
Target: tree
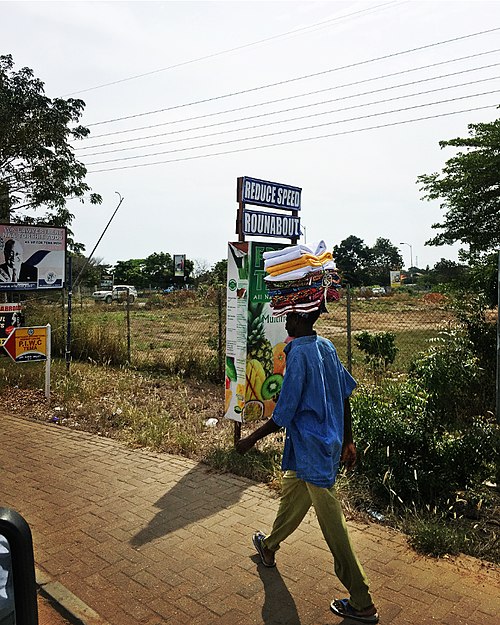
[384, 257]
[130, 272]
[446, 273]
[219, 272]
[214, 276]
[38, 167]
[352, 258]
[155, 271]
[158, 269]
[469, 190]
[201, 268]
[188, 268]
[483, 276]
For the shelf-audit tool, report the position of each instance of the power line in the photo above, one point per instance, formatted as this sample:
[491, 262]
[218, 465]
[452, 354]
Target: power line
[296, 79]
[237, 48]
[292, 141]
[282, 121]
[292, 97]
[281, 132]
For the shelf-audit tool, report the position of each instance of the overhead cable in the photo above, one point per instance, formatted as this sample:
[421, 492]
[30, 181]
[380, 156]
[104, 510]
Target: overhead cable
[298, 78]
[311, 27]
[292, 141]
[281, 132]
[281, 121]
[291, 97]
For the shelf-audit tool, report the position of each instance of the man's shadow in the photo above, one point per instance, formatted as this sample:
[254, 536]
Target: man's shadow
[279, 607]
[199, 494]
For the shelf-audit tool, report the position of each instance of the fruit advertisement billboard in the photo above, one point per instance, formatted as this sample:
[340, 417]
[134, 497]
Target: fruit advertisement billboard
[255, 340]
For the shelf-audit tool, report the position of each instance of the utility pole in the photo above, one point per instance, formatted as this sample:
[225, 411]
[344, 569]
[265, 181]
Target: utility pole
[100, 239]
[411, 253]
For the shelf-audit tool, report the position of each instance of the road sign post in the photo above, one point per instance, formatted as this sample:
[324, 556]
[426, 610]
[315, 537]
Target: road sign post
[31, 345]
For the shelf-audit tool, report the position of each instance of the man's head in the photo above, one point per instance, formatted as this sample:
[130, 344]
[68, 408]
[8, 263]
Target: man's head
[13, 251]
[301, 324]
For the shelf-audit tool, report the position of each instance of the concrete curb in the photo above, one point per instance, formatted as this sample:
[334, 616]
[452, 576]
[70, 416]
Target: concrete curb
[70, 604]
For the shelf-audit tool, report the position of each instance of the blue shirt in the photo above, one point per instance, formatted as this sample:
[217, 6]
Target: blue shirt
[311, 408]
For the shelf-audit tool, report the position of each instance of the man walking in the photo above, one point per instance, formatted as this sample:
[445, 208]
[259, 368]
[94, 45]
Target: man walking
[314, 408]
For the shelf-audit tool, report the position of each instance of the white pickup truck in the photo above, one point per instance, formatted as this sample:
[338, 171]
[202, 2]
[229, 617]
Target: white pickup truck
[117, 294]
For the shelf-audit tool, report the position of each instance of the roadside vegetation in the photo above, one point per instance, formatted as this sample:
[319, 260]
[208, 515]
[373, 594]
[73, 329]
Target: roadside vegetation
[423, 413]
[424, 422]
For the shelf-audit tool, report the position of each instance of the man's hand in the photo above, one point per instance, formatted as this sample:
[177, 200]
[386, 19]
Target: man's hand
[348, 456]
[243, 445]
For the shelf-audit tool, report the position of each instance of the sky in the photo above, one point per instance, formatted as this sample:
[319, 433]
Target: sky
[318, 95]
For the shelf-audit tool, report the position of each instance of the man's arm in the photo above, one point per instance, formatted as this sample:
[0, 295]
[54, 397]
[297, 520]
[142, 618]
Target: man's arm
[243, 445]
[348, 456]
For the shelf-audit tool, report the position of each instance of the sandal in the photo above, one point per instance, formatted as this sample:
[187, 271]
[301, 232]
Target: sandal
[267, 560]
[342, 607]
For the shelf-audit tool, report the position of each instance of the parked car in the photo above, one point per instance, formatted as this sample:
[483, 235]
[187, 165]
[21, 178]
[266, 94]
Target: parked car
[378, 290]
[117, 294]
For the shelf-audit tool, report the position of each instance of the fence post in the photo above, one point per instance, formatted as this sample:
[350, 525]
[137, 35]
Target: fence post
[63, 313]
[498, 344]
[70, 314]
[349, 330]
[220, 355]
[128, 327]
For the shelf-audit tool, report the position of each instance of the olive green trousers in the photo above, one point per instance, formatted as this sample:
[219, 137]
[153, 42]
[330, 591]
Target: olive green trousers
[297, 497]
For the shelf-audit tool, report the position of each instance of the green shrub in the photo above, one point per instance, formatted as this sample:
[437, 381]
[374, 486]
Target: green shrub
[380, 350]
[434, 537]
[452, 375]
[472, 311]
[409, 457]
[155, 300]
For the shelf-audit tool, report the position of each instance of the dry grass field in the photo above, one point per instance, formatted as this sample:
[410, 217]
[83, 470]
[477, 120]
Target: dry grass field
[191, 327]
[163, 399]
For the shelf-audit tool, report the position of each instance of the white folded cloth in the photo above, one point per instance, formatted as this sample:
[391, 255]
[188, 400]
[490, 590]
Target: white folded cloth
[292, 253]
[299, 273]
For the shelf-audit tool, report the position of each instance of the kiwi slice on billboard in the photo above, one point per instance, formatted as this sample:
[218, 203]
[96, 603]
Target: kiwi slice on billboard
[271, 386]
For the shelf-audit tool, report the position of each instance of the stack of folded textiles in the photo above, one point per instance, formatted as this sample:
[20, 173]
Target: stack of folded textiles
[301, 279]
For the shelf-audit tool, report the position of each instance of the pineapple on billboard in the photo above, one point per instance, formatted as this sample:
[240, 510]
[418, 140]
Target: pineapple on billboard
[255, 340]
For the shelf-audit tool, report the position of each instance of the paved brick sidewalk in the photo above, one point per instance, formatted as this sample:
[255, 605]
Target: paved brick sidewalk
[157, 539]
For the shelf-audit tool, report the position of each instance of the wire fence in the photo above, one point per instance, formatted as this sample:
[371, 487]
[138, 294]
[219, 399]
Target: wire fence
[184, 332]
[412, 320]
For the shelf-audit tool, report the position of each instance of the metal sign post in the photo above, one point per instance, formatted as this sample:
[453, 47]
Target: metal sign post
[247, 300]
[48, 362]
[31, 345]
[241, 237]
